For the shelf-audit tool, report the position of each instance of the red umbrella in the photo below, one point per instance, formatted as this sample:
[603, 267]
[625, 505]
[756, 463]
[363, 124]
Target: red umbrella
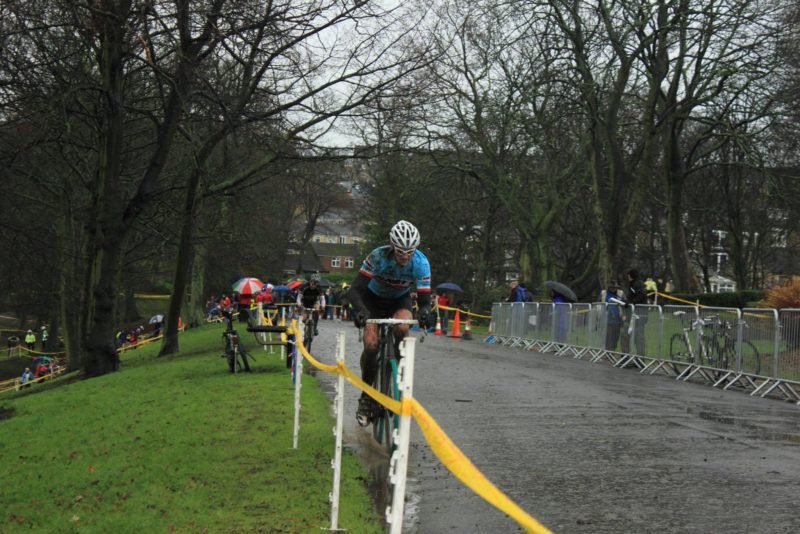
[248, 286]
[294, 284]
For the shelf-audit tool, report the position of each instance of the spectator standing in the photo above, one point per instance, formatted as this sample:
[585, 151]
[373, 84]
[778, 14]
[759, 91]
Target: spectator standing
[27, 376]
[561, 315]
[669, 287]
[45, 337]
[30, 340]
[330, 300]
[13, 345]
[651, 288]
[517, 292]
[443, 302]
[613, 313]
[636, 295]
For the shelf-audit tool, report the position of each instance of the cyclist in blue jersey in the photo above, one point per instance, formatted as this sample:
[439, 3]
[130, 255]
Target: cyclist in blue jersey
[382, 290]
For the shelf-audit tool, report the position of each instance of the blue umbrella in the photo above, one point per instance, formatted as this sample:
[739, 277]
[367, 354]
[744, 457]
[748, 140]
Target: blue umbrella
[281, 289]
[450, 286]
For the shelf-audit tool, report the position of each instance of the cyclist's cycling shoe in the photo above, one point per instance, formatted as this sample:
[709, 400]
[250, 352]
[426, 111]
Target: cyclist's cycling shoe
[364, 413]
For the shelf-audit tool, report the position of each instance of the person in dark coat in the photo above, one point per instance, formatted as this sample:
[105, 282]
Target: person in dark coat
[636, 295]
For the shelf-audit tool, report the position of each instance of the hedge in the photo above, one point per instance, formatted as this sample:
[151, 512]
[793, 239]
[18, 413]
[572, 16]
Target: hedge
[736, 299]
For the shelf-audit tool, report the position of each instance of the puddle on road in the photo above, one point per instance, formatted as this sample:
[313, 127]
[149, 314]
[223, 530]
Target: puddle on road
[374, 457]
[757, 432]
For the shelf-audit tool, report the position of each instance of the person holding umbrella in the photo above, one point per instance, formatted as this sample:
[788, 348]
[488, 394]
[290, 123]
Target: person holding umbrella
[382, 289]
[561, 294]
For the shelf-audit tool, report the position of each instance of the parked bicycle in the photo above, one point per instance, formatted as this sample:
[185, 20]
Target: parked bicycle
[234, 353]
[717, 345]
[383, 420]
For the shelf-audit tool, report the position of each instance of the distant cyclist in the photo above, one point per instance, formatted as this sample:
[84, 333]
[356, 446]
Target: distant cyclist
[311, 297]
[382, 290]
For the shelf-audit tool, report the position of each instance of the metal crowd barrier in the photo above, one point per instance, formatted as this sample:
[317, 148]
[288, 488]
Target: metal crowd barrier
[754, 349]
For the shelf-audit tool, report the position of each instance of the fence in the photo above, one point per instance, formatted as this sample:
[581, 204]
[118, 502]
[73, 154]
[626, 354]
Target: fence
[754, 349]
[441, 445]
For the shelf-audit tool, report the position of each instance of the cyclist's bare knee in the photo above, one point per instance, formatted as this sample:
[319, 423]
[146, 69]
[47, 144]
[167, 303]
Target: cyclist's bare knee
[401, 331]
[371, 338]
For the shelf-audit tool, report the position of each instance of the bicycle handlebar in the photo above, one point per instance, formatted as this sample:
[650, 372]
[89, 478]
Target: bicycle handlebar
[393, 321]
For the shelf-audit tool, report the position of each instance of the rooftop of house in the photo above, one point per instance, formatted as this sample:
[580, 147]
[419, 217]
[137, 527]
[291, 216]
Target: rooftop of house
[336, 249]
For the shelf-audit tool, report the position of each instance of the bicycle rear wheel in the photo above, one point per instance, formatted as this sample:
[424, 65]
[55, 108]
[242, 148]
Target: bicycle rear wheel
[679, 353]
[751, 358]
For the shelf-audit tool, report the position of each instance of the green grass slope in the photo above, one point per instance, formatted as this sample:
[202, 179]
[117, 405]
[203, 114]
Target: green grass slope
[174, 444]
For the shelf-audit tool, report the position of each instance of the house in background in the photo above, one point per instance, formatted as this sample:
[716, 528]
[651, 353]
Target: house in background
[335, 246]
[309, 264]
[338, 258]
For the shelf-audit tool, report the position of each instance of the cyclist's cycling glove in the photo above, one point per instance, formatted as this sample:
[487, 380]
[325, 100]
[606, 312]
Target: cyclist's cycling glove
[360, 319]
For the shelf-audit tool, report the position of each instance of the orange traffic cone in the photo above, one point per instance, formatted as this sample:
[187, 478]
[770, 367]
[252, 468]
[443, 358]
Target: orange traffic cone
[438, 331]
[456, 332]
[467, 330]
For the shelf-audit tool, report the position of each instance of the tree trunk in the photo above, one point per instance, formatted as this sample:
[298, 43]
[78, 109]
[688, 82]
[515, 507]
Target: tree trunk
[70, 320]
[131, 312]
[183, 266]
[102, 355]
[682, 274]
[194, 309]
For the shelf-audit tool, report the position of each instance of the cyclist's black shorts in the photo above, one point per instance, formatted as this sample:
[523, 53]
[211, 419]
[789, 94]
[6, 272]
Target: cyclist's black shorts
[309, 304]
[381, 308]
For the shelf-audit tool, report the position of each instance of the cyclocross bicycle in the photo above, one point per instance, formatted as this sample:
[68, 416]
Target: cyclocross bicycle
[383, 420]
[234, 352]
[717, 345]
[308, 327]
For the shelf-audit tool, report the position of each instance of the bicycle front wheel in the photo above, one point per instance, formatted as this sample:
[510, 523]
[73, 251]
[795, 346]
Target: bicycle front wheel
[308, 335]
[679, 353]
[385, 420]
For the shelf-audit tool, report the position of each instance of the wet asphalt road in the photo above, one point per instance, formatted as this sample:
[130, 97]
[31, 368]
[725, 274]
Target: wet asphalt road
[587, 448]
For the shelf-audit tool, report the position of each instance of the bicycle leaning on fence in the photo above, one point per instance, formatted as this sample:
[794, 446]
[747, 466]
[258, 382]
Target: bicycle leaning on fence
[717, 347]
[384, 421]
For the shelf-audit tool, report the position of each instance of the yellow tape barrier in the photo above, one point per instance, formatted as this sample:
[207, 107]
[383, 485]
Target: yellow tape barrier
[441, 444]
[670, 297]
[464, 311]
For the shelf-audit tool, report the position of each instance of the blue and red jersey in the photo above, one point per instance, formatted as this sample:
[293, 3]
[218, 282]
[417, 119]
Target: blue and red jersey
[390, 280]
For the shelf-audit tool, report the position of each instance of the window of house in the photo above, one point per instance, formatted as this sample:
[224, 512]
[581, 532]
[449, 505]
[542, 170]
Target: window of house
[342, 239]
[317, 238]
[335, 261]
[348, 262]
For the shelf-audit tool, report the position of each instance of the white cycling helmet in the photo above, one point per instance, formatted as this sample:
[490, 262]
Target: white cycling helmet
[404, 236]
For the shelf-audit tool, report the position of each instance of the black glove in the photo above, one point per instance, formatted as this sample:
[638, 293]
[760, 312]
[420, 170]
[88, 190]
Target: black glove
[360, 319]
[425, 317]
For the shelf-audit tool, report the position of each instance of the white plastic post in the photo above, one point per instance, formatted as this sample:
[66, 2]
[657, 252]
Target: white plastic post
[260, 312]
[398, 465]
[337, 431]
[298, 374]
